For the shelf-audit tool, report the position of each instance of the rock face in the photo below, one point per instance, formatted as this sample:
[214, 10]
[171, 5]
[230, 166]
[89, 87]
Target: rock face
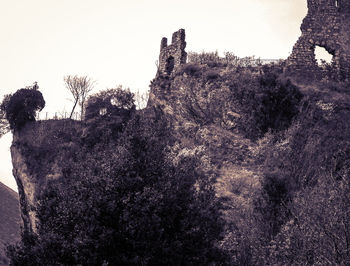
[38, 153]
[326, 25]
[27, 187]
[173, 55]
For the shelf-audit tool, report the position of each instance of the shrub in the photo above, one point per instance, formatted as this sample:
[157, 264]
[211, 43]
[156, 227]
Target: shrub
[210, 58]
[113, 101]
[107, 114]
[279, 104]
[271, 204]
[191, 69]
[265, 103]
[22, 106]
[211, 75]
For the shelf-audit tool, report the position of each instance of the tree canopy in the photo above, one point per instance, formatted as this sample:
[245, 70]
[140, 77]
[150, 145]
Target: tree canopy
[22, 106]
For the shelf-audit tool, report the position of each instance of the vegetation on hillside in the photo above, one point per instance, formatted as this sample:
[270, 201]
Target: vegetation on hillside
[234, 164]
[124, 198]
[299, 133]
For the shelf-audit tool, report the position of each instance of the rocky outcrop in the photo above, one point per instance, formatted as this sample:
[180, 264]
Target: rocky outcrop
[27, 186]
[39, 152]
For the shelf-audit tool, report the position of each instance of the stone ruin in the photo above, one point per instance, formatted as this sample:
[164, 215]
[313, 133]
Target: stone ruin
[174, 55]
[327, 25]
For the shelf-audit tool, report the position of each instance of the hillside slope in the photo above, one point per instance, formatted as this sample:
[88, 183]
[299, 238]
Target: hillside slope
[9, 219]
[273, 150]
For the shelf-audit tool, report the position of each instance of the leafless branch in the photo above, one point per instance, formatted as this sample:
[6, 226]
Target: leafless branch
[80, 87]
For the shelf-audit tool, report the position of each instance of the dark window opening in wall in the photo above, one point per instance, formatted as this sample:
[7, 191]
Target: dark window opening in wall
[322, 56]
[170, 62]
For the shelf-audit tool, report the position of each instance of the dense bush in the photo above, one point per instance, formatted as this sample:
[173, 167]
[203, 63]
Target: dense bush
[271, 204]
[22, 106]
[279, 104]
[191, 69]
[110, 102]
[266, 103]
[107, 114]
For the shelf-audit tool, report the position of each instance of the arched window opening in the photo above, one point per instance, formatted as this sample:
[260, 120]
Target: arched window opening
[170, 62]
[322, 56]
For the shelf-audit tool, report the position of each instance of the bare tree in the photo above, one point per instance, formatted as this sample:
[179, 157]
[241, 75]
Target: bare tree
[141, 99]
[80, 88]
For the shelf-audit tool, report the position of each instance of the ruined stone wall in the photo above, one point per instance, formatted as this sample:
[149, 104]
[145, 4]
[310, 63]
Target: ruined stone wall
[326, 25]
[174, 55]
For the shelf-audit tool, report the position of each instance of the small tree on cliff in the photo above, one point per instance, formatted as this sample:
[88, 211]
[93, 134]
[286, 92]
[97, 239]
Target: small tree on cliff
[22, 106]
[80, 87]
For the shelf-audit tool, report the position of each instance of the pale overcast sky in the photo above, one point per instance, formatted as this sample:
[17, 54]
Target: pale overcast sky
[117, 42]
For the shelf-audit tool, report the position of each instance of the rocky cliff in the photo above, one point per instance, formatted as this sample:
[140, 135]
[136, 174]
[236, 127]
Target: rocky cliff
[38, 152]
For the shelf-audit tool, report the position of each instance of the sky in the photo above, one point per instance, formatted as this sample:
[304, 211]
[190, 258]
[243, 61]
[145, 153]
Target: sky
[117, 42]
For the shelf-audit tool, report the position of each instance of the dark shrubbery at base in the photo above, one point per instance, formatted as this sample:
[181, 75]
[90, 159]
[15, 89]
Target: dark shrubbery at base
[123, 202]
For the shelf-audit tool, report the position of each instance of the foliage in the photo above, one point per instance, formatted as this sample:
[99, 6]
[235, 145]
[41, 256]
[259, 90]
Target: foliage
[243, 99]
[230, 60]
[211, 58]
[318, 231]
[191, 69]
[142, 192]
[271, 204]
[111, 101]
[107, 114]
[304, 201]
[265, 103]
[128, 203]
[22, 106]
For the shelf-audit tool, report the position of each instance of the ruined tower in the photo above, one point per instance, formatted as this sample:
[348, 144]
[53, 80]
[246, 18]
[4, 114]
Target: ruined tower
[327, 25]
[174, 55]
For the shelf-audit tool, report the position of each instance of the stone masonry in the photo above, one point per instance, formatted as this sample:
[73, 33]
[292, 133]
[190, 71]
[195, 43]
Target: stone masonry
[174, 55]
[327, 24]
